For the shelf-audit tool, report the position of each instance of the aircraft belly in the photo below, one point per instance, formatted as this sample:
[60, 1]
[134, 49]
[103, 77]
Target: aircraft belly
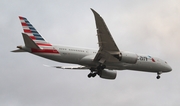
[70, 59]
[54, 57]
[115, 66]
[87, 61]
[143, 66]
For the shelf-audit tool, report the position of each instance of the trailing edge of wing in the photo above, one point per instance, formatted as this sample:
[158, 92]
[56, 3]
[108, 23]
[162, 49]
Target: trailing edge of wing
[107, 46]
[105, 39]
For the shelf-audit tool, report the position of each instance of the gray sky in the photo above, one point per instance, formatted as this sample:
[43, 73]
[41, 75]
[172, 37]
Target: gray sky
[141, 26]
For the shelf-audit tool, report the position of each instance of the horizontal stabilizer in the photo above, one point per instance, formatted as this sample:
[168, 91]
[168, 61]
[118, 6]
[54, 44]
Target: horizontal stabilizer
[29, 42]
[18, 50]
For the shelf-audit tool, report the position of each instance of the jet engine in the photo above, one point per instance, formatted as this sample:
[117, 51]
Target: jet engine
[127, 57]
[107, 74]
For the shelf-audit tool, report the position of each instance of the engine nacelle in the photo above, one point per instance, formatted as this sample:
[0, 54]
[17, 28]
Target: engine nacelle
[129, 57]
[107, 74]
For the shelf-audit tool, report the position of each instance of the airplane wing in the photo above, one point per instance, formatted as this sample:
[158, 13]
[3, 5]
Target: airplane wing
[69, 67]
[108, 50]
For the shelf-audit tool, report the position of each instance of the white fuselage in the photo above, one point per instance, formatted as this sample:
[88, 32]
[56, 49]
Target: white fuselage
[85, 57]
[100, 62]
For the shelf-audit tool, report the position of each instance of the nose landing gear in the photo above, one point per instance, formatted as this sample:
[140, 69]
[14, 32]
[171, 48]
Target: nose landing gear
[158, 75]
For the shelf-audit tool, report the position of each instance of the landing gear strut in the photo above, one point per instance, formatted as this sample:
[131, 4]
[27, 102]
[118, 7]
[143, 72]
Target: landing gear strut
[158, 75]
[94, 71]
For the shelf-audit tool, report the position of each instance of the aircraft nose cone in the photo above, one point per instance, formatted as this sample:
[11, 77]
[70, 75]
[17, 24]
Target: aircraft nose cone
[168, 68]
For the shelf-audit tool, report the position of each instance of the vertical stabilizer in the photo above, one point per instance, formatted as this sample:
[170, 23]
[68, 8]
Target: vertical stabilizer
[34, 42]
[29, 30]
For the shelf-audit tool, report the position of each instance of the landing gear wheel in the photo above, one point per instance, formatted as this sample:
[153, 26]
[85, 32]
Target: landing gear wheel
[158, 77]
[89, 75]
[95, 71]
[92, 75]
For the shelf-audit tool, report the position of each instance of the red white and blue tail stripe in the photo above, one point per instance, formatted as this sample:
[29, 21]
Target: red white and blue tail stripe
[36, 37]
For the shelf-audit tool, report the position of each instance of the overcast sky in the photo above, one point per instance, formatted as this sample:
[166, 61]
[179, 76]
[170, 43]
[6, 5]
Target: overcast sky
[142, 26]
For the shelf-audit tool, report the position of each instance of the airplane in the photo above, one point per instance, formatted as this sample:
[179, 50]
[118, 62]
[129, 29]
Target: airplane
[103, 62]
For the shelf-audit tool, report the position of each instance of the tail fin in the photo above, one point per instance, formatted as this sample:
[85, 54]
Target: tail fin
[33, 34]
[34, 42]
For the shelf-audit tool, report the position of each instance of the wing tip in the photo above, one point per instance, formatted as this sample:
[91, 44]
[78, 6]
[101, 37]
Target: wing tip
[92, 10]
[95, 13]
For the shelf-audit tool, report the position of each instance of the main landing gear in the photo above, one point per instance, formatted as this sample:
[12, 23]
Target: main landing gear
[94, 71]
[158, 75]
[92, 74]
